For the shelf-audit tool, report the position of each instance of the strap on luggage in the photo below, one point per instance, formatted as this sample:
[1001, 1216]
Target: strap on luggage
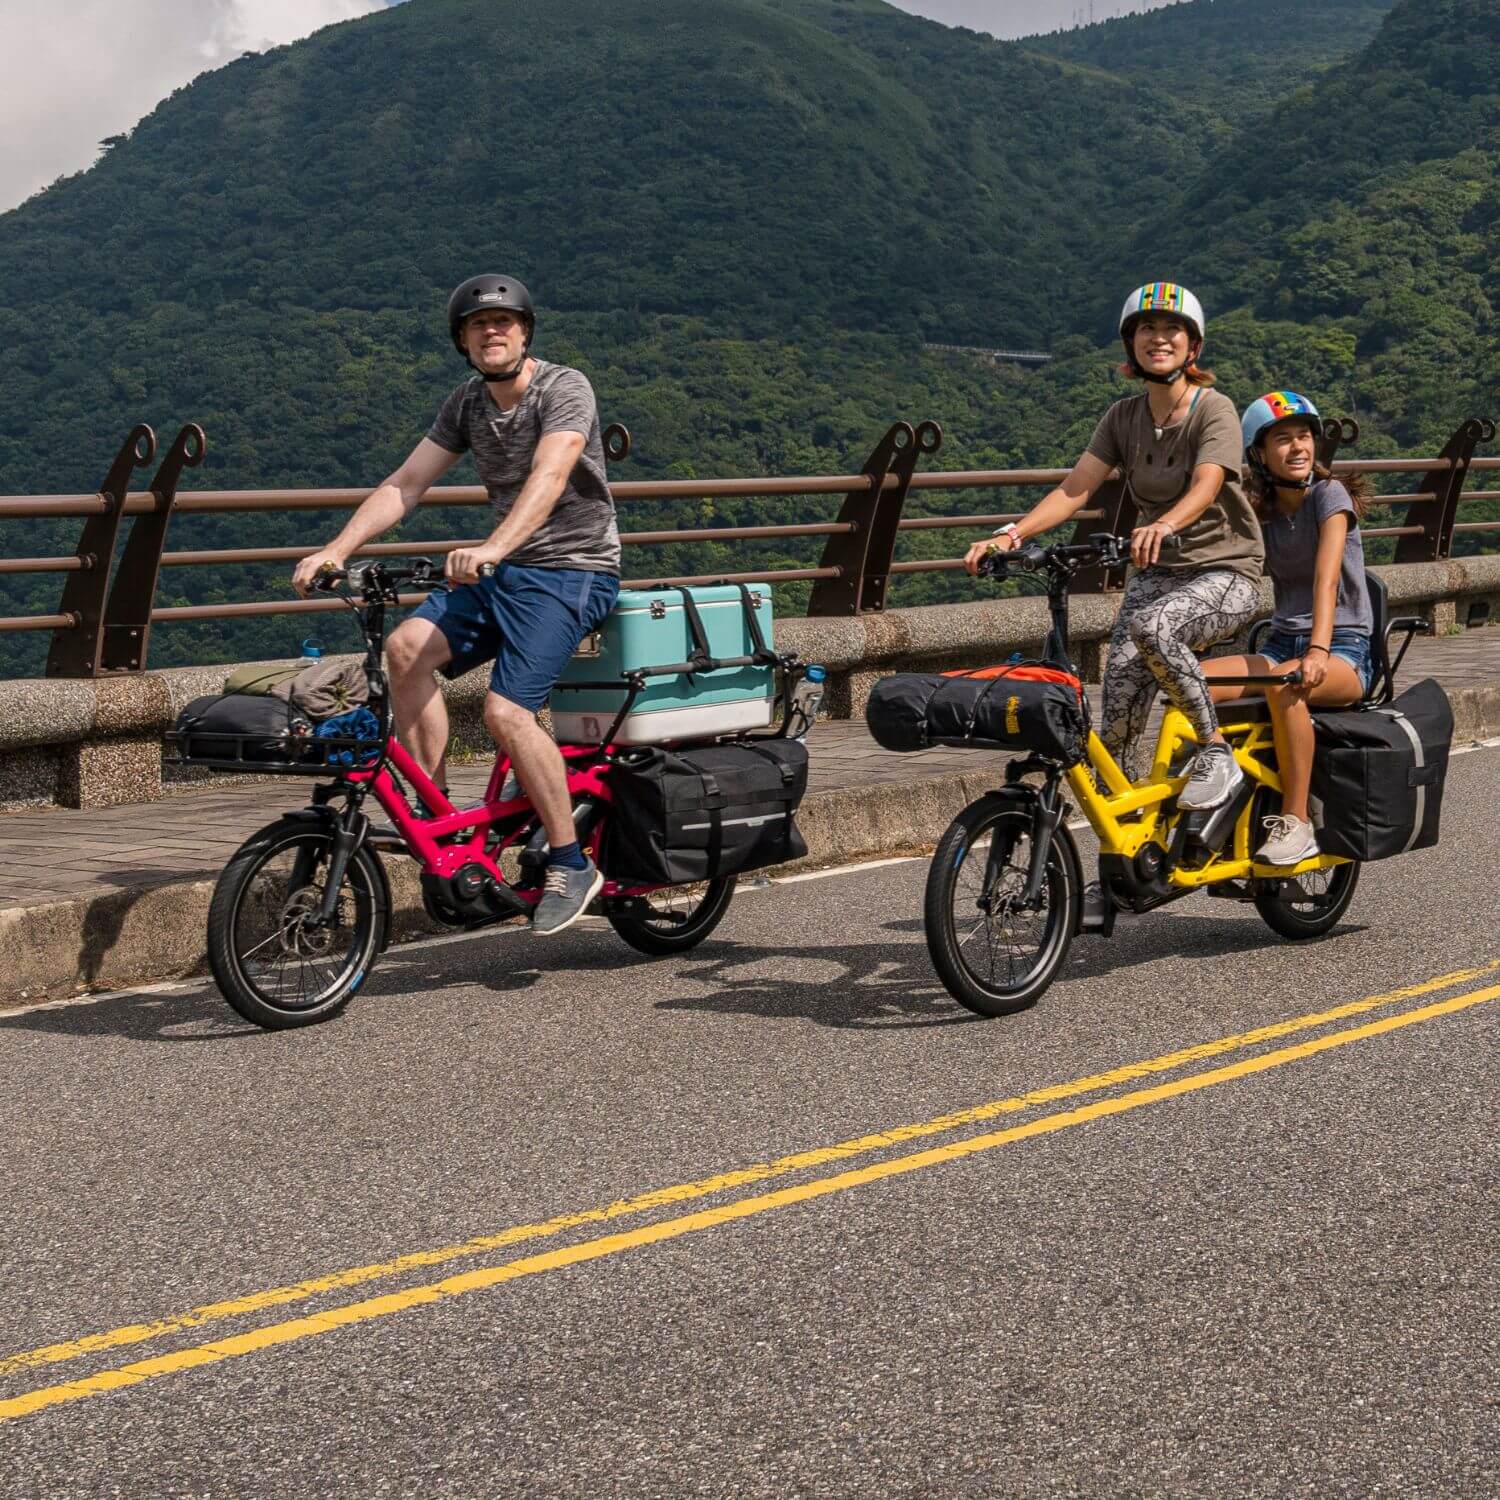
[1420, 787]
[760, 654]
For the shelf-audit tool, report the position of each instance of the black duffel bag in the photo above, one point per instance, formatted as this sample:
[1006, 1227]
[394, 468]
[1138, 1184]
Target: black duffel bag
[255, 727]
[1022, 708]
[699, 813]
[1379, 774]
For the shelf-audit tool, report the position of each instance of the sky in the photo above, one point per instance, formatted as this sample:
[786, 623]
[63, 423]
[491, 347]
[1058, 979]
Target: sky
[75, 71]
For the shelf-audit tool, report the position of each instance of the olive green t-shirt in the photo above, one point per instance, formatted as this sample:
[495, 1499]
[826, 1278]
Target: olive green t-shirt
[1159, 470]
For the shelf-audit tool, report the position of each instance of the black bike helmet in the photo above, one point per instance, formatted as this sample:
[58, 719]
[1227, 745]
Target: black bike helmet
[486, 294]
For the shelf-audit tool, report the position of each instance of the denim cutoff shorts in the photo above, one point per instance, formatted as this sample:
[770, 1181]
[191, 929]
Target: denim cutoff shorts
[529, 620]
[1353, 646]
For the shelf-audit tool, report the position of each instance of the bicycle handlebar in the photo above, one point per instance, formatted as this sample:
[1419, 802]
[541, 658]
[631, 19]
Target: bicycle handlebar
[378, 580]
[1104, 548]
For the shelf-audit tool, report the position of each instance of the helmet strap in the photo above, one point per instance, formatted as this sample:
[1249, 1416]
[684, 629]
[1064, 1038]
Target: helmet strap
[506, 376]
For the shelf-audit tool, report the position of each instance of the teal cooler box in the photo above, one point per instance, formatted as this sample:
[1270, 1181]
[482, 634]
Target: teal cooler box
[652, 628]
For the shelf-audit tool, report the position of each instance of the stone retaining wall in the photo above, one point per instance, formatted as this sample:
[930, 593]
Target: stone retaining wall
[97, 743]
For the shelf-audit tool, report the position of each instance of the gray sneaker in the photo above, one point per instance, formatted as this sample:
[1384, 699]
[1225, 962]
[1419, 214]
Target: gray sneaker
[1290, 842]
[565, 897]
[1214, 780]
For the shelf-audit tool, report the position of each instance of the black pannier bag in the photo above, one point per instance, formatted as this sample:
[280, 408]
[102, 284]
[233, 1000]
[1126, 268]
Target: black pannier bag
[703, 812]
[1033, 709]
[256, 727]
[1379, 774]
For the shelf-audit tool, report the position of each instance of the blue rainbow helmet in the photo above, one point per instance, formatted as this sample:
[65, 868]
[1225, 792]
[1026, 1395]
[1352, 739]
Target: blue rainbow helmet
[1274, 407]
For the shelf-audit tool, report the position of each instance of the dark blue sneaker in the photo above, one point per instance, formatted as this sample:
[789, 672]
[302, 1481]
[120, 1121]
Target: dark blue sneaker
[565, 897]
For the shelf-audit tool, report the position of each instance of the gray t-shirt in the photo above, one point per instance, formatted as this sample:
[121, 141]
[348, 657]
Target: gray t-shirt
[581, 531]
[1291, 560]
[1160, 469]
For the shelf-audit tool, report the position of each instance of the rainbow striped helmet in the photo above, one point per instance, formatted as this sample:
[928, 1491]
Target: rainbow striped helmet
[1162, 297]
[1274, 407]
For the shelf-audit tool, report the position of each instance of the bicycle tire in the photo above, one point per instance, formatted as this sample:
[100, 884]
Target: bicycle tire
[660, 939]
[1313, 913]
[234, 939]
[954, 954]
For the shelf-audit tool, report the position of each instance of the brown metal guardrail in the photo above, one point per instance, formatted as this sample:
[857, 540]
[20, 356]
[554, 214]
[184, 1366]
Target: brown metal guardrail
[103, 621]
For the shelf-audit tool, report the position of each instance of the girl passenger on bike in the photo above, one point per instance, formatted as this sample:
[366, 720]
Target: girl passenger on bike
[1323, 619]
[1178, 444]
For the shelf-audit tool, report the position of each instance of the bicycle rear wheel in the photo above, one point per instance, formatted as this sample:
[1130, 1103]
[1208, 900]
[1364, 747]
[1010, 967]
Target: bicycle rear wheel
[993, 955]
[275, 964]
[1303, 906]
[681, 916]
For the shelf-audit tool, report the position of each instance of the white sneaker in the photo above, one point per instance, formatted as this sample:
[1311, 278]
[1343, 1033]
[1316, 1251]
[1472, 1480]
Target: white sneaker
[1214, 779]
[1290, 842]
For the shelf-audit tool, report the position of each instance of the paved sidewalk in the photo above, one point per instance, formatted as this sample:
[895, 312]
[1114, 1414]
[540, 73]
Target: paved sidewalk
[58, 854]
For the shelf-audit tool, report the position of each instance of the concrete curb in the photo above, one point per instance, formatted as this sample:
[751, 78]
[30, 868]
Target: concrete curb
[156, 933]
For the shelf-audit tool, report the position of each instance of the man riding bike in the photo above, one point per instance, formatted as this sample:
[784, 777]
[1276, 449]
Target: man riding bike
[533, 428]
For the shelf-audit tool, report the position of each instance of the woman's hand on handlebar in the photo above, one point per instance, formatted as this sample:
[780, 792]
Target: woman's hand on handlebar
[465, 564]
[989, 547]
[305, 575]
[1146, 542]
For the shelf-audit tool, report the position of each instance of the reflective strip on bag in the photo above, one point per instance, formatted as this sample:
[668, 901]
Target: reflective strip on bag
[1416, 744]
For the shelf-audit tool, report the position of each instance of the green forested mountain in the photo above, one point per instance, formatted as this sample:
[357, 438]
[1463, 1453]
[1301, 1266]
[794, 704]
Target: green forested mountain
[743, 221]
[1233, 58]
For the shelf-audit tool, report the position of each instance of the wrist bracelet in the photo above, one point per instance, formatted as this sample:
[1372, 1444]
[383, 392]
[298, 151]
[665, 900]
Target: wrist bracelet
[1323, 649]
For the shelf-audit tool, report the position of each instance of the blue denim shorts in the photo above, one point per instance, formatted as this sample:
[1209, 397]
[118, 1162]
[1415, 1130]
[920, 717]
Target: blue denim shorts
[1353, 646]
[529, 620]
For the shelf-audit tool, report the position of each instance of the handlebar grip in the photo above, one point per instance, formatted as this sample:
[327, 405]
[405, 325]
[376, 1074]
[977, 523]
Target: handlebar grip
[326, 577]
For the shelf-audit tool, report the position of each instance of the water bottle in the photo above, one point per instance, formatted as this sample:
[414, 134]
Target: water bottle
[312, 652]
[806, 697]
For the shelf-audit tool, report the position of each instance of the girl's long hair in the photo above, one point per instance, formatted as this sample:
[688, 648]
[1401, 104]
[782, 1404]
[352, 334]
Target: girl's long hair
[1263, 495]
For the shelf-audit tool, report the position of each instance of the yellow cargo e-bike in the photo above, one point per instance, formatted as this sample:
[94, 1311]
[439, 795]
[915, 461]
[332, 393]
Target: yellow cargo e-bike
[1005, 892]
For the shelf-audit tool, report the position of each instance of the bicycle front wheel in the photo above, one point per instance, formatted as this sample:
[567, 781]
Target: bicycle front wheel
[993, 954]
[274, 960]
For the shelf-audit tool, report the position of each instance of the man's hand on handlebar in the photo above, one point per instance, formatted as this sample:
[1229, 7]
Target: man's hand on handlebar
[466, 564]
[1146, 543]
[305, 576]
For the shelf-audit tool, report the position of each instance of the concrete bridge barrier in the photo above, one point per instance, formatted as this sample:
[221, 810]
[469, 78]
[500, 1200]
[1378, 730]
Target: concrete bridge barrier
[96, 742]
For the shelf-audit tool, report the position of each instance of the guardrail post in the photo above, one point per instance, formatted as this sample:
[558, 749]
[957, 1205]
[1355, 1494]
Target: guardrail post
[126, 632]
[75, 652]
[864, 569]
[1336, 430]
[1436, 518]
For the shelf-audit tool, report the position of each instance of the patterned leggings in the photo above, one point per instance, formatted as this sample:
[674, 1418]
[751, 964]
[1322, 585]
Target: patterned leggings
[1164, 618]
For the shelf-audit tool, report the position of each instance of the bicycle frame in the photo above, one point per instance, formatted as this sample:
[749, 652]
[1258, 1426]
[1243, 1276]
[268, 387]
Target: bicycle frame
[438, 842]
[1127, 816]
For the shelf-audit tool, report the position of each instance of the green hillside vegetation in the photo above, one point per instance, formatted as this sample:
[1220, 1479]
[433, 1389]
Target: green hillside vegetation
[1234, 58]
[742, 222]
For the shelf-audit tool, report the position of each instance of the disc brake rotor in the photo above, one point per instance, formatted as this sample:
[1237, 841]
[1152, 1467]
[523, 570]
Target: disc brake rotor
[300, 938]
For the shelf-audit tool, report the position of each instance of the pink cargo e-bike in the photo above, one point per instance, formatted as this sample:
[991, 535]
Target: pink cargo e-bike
[302, 911]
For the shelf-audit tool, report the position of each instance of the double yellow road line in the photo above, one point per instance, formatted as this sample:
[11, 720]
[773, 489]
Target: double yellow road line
[313, 1324]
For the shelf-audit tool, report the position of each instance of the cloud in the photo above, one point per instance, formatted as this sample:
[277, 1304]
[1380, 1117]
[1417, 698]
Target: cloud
[75, 71]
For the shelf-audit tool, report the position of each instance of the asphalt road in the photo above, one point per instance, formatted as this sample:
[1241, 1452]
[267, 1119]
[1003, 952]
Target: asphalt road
[1264, 1267]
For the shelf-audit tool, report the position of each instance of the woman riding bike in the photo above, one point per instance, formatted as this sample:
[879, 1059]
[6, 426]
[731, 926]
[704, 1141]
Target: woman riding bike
[1323, 619]
[1179, 447]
